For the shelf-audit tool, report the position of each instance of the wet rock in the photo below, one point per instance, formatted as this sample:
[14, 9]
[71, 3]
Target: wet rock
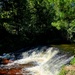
[12, 71]
[70, 67]
[16, 69]
[6, 61]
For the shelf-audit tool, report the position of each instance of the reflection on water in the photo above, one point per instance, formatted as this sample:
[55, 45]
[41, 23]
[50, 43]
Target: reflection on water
[41, 60]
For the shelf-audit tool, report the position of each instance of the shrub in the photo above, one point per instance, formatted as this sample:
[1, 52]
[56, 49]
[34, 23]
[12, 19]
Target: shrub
[72, 61]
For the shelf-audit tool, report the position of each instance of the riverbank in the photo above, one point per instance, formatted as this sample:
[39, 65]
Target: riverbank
[66, 48]
[68, 69]
[15, 69]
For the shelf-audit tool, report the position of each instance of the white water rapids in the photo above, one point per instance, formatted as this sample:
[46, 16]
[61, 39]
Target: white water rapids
[47, 60]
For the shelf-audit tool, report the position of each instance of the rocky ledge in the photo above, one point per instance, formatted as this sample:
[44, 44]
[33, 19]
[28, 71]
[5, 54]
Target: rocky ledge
[69, 70]
[70, 67]
[15, 69]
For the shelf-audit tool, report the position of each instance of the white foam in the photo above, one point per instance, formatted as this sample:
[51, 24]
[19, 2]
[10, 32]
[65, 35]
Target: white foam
[48, 62]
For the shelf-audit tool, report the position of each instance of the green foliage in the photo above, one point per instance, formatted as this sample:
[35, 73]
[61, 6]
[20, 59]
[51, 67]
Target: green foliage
[64, 17]
[72, 61]
[25, 20]
[39, 18]
[60, 24]
[62, 72]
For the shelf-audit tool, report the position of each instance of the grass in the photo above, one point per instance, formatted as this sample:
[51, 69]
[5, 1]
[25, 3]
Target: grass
[72, 61]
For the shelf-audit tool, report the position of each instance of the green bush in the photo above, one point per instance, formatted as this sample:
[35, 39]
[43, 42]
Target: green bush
[72, 61]
[62, 72]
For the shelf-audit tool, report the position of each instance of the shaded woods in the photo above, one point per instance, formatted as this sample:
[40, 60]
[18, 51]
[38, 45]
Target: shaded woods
[26, 23]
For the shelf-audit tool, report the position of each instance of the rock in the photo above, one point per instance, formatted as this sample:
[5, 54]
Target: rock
[70, 67]
[6, 61]
[16, 69]
[70, 70]
[12, 71]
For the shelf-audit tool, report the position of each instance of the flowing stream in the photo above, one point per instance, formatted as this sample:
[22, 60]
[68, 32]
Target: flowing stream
[46, 60]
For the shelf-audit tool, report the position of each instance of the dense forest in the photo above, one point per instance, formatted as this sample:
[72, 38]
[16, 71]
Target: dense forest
[36, 22]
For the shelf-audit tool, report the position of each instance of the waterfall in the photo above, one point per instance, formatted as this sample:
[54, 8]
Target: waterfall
[47, 60]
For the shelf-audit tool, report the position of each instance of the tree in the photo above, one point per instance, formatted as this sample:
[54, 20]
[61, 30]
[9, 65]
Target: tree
[31, 20]
[25, 17]
[65, 17]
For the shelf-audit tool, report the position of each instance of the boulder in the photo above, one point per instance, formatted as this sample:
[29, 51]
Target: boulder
[6, 61]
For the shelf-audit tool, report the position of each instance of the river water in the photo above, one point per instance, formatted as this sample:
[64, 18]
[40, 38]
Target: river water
[46, 60]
